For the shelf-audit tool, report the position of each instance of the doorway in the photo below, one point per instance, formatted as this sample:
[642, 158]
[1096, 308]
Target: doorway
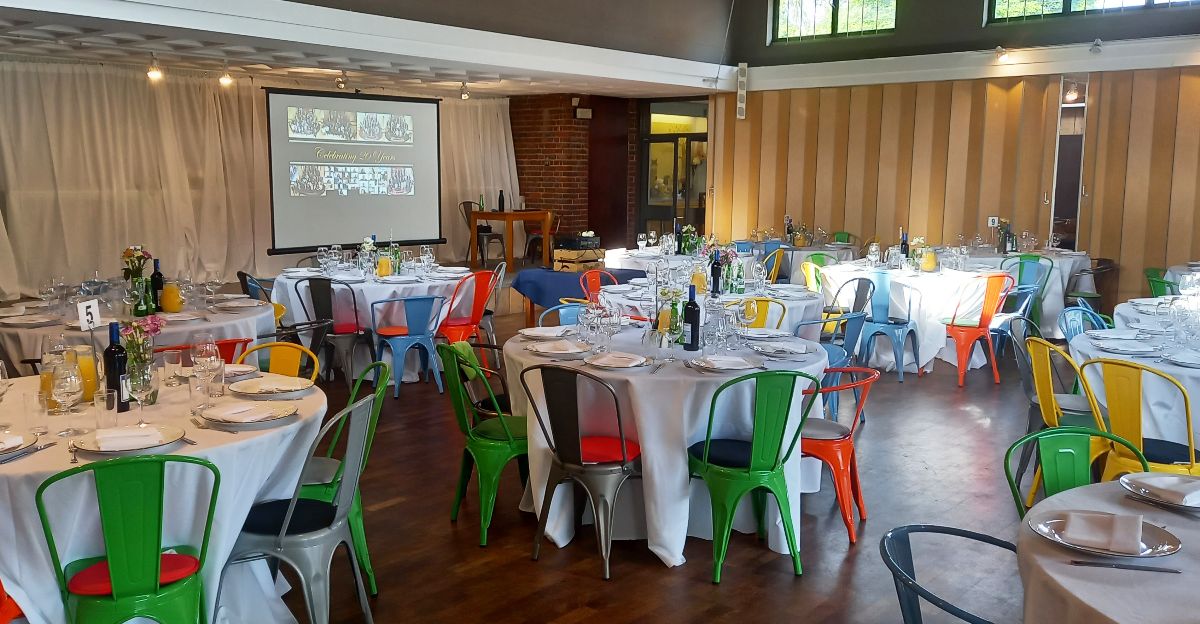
[1068, 166]
[674, 138]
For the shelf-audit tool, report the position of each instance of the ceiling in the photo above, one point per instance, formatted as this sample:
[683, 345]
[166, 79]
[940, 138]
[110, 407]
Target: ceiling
[87, 39]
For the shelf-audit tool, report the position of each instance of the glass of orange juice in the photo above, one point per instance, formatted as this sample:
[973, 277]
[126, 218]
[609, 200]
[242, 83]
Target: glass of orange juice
[171, 299]
[384, 267]
[46, 379]
[87, 370]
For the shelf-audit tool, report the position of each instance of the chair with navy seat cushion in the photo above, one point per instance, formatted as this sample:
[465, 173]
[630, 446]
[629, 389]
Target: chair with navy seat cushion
[734, 467]
[896, 328]
[598, 462]
[421, 317]
[305, 533]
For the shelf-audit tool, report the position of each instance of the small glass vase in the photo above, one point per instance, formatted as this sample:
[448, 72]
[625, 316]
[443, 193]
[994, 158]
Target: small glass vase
[143, 298]
[139, 352]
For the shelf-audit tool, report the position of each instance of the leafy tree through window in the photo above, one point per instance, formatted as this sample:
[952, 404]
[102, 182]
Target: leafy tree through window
[1024, 9]
[795, 19]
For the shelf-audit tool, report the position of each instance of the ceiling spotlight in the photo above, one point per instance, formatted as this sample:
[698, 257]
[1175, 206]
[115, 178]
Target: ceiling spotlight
[1096, 46]
[1001, 54]
[225, 78]
[155, 72]
[463, 92]
[340, 81]
[1072, 94]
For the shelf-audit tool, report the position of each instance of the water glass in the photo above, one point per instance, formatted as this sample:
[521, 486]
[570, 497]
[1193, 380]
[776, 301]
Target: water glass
[104, 407]
[216, 379]
[198, 393]
[172, 365]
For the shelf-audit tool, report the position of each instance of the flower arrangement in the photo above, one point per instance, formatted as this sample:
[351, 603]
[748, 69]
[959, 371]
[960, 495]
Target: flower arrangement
[135, 259]
[137, 337]
[691, 242]
[723, 255]
[587, 234]
[367, 246]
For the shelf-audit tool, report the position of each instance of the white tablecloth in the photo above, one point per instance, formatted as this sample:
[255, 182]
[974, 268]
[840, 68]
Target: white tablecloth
[1066, 265]
[794, 257]
[664, 413]
[19, 343]
[254, 466]
[1176, 271]
[1057, 592]
[1162, 405]
[367, 292]
[802, 307]
[640, 260]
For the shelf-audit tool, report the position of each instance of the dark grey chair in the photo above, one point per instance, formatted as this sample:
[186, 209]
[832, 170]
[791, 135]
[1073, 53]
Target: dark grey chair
[305, 532]
[862, 287]
[308, 261]
[346, 331]
[483, 232]
[599, 464]
[896, 549]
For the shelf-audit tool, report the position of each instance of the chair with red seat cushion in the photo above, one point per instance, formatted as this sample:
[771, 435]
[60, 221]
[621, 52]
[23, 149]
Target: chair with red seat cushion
[421, 316]
[136, 576]
[337, 302]
[584, 449]
[832, 442]
[591, 281]
[476, 288]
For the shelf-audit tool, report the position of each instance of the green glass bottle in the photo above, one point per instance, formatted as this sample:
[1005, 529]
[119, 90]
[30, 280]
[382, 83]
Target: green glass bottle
[143, 297]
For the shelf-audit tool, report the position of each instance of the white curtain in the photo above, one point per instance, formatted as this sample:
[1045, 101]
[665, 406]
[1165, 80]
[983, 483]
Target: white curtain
[95, 158]
[477, 158]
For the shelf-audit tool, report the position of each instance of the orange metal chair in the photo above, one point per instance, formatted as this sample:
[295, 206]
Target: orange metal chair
[8, 607]
[229, 348]
[967, 331]
[833, 443]
[592, 280]
[478, 285]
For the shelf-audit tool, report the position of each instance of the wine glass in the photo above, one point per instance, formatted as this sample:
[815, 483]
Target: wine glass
[746, 313]
[144, 380]
[67, 389]
[873, 254]
[652, 237]
[641, 242]
[211, 285]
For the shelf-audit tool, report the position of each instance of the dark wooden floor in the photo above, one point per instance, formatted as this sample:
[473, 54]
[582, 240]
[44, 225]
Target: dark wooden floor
[929, 453]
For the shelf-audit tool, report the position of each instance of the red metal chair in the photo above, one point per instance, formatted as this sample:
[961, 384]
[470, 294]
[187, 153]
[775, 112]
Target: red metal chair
[229, 348]
[833, 443]
[592, 280]
[8, 607]
[966, 332]
[479, 286]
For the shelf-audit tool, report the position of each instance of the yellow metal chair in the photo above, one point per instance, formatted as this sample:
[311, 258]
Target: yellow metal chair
[1123, 394]
[280, 310]
[773, 261]
[812, 275]
[762, 309]
[285, 358]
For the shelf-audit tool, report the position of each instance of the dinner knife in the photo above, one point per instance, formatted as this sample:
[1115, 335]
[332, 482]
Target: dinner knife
[1123, 566]
[31, 451]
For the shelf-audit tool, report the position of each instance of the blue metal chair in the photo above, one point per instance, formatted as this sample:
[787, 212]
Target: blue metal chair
[1076, 320]
[744, 246]
[897, 329]
[568, 314]
[770, 246]
[896, 549]
[1030, 270]
[1083, 303]
[838, 358]
[840, 354]
[1018, 303]
[421, 317]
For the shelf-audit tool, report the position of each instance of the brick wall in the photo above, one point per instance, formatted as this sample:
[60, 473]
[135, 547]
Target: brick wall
[631, 173]
[551, 149]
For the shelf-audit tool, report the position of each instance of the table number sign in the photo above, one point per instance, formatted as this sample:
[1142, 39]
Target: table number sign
[89, 314]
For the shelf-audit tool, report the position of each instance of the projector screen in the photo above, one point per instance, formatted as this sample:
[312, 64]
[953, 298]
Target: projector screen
[345, 166]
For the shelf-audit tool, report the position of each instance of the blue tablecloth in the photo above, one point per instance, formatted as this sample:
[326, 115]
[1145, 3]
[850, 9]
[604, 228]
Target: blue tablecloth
[544, 287]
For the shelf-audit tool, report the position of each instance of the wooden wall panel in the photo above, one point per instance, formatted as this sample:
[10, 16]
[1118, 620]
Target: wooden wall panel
[938, 158]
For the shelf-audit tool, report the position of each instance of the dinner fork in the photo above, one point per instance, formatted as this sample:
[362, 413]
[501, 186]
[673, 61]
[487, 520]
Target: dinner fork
[201, 425]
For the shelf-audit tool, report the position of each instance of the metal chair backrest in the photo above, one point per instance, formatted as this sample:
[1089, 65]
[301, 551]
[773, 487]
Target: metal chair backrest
[1065, 454]
[591, 281]
[560, 424]
[1162, 287]
[770, 246]
[851, 327]
[322, 292]
[421, 314]
[479, 286]
[1041, 358]
[822, 259]
[287, 358]
[465, 412]
[568, 314]
[1076, 320]
[130, 495]
[773, 393]
[861, 380]
[1123, 393]
[743, 246]
[466, 208]
[772, 261]
[895, 547]
[863, 289]
[1032, 269]
[1019, 329]
[253, 287]
[996, 288]
[881, 298]
[308, 261]
[381, 385]
[1020, 299]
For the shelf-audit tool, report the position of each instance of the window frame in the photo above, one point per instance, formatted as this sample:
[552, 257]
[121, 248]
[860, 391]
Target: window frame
[773, 25]
[1067, 11]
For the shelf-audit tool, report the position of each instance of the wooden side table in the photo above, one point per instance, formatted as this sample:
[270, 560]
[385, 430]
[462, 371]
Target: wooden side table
[545, 216]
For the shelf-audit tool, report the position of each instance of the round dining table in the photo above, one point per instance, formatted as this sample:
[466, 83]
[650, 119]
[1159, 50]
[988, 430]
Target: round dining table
[665, 411]
[1067, 265]
[1057, 592]
[18, 342]
[798, 306]
[257, 465]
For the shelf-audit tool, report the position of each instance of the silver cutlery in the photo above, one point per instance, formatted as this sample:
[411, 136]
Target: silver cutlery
[202, 425]
[1123, 566]
[188, 441]
[31, 451]
[74, 451]
[658, 367]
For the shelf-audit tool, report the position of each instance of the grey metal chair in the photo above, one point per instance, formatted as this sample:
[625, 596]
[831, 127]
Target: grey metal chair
[862, 288]
[308, 261]
[306, 533]
[896, 549]
[483, 232]
[346, 331]
[599, 464]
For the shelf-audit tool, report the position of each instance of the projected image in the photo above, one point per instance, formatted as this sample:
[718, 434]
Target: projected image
[316, 123]
[317, 180]
[382, 127]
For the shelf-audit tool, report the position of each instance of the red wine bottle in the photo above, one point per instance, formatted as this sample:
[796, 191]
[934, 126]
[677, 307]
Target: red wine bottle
[691, 322]
[115, 375]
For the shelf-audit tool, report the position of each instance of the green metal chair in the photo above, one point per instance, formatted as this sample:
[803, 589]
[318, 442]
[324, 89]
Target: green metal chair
[1031, 269]
[1162, 287]
[1154, 272]
[491, 442]
[732, 468]
[323, 475]
[1065, 456]
[843, 237]
[136, 577]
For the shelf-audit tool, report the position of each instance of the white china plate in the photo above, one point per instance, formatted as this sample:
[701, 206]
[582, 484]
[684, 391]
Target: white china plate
[348, 279]
[16, 310]
[180, 317]
[1184, 359]
[281, 412]
[759, 333]
[231, 296]
[1123, 347]
[1141, 492]
[170, 435]
[1151, 328]
[237, 304]
[591, 360]
[778, 353]
[533, 335]
[400, 279]
[639, 281]
[700, 364]
[74, 323]
[238, 370]
[26, 442]
[1156, 541]
[290, 387]
[540, 349]
[454, 270]
[301, 272]
[29, 320]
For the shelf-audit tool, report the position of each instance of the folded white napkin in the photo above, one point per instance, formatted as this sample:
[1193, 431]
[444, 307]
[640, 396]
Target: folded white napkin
[784, 347]
[1116, 532]
[1118, 334]
[1127, 346]
[762, 332]
[725, 362]
[547, 332]
[617, 359]
[240, 412]
[127, 438]
[9, 442]
[1178, 489]
[559, 346]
